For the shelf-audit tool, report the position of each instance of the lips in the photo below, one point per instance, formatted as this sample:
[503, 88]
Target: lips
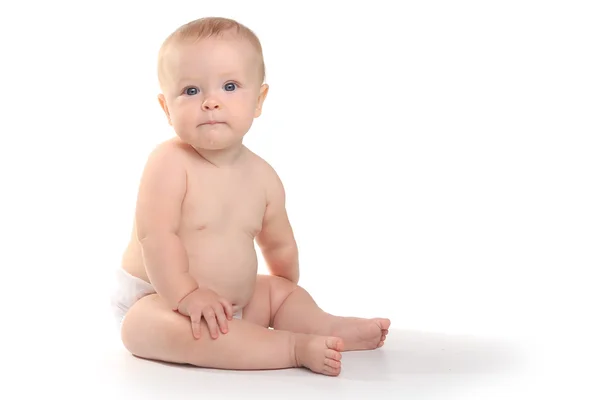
[211, 123]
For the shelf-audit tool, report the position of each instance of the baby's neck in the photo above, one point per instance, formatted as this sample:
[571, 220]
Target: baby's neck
[222, 158]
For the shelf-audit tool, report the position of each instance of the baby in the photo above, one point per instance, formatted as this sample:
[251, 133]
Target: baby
[189, 291]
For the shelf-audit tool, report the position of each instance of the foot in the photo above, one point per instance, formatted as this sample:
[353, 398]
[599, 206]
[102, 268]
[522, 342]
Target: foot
[320, 354]
[360, 333]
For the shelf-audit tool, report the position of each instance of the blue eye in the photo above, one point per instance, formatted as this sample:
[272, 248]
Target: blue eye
[229, 87]
[191, 91]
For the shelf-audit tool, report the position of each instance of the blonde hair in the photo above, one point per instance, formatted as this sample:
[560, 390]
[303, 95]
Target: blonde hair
[203, 28]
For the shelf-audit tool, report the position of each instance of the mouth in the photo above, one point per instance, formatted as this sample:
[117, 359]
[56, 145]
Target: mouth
[211, 123]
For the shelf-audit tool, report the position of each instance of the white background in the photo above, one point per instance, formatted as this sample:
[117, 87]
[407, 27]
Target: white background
[441, 161]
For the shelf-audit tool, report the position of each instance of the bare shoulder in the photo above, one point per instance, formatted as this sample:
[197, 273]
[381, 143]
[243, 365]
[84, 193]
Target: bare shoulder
[265, 170]
[162, 188]
[167, 160]
[268, 177]
[172, 150]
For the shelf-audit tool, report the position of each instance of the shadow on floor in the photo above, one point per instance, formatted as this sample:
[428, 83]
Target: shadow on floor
[412, 364]
[414, 352]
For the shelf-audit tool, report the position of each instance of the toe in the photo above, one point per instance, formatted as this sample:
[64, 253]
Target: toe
[333, 354]
[333, 363]
[327, 370]
[384, 323]
[335, 343]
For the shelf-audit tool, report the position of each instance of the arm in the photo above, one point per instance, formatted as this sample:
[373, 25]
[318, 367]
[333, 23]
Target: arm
[276, 239]
[158, 212]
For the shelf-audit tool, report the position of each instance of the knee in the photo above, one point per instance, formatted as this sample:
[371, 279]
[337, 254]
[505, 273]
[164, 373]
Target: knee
[279, 289]
[151, 330]
[276, 283]
[130, 331]
[136, 325]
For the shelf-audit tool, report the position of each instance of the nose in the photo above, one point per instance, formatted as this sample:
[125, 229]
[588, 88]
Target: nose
[210, 103]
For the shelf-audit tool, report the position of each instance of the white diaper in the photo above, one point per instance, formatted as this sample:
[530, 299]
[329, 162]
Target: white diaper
[129, 289]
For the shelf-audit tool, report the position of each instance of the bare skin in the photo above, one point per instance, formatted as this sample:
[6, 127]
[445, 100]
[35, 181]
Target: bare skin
[303, 335]
[247, 346]
[203, 203]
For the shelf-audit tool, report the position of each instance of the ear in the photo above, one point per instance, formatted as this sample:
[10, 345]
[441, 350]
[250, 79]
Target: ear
[264, 89]
[163, 105]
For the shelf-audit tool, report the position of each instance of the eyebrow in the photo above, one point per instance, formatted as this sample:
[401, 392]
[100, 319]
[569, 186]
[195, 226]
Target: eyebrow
[229, 75]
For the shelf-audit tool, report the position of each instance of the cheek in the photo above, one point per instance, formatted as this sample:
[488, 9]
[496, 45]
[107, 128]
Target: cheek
[246, 107]
[185, 111]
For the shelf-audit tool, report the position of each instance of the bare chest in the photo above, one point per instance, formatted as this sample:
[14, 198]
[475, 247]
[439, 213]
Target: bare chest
[224, 202]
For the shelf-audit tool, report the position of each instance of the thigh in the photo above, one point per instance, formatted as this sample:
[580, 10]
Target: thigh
[270, 292]
[152, 330]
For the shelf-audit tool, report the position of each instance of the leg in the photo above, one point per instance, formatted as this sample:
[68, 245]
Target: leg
[151, 330]
[293, 309]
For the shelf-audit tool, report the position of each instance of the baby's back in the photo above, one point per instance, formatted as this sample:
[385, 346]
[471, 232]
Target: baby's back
[221, 214]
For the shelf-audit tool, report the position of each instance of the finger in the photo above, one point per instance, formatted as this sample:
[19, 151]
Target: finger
[228, 308]
[221, 318]
[196, 319]
[211, 321]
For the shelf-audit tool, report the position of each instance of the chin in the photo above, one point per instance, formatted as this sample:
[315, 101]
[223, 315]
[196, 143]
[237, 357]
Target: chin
[212, 146]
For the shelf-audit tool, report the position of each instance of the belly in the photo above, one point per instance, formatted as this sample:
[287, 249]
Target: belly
[225, 262]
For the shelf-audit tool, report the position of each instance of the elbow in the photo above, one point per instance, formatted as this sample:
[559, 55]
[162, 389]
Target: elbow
[154, 244]
[296, 278]
[283, 262]
[155, 235]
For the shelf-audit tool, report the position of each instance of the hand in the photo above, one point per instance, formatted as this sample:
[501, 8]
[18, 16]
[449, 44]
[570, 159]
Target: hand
[204, 302]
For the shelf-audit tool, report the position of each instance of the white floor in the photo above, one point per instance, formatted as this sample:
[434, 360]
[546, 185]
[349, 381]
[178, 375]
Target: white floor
[412, 365]
[74, 352]
[58, 338]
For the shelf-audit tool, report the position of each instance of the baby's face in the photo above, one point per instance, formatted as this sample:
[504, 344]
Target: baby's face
[212, 91]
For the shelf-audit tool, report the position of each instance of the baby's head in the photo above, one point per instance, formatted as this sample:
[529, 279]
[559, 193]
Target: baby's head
[211, 73]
